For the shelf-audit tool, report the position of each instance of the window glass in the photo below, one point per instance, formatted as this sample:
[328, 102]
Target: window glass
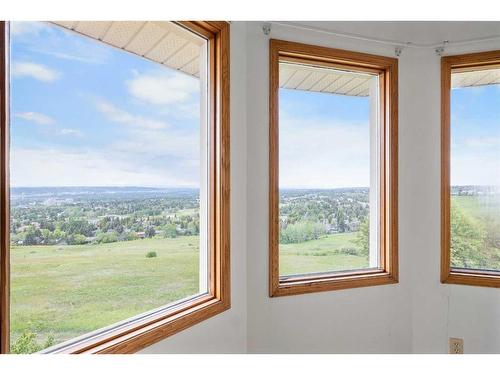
[328, 170]
[108, 170]
[475, 170]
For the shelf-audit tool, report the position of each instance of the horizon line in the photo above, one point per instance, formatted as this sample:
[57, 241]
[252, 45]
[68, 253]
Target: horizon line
[102, 186]
[193, 187]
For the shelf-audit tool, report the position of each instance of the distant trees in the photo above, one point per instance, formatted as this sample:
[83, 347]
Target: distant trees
[363, 237]
[193, 228]
[76, 239]
[107, 237]
[91, 220]
[150, 232]
[32, 235]
[467, 240]
[302, 231]
[128, 236]
[339, 210]
[170, 231]
[341, 220]
[78, 226]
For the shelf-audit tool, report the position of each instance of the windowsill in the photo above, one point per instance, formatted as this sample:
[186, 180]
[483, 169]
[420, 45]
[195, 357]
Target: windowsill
[461, 276]
[332, 281]
[138, 334]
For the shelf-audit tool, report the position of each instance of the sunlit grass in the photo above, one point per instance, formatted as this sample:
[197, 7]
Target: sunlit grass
[66, 291]
[321, 255]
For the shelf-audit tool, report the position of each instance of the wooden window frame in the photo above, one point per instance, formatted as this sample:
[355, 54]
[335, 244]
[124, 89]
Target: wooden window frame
[450, 64]
[141, 332]
[387, 69]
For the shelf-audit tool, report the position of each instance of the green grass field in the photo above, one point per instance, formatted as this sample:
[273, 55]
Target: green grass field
[320, 255]
[66, 291]
[478, 207]
[483, 213]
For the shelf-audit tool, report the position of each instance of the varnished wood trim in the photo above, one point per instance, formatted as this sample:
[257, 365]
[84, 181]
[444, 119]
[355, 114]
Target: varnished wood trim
[138, 332]
[328, 276]
[449, 64]
[387, 70]
[324, 63]
[274, 195]
[4, 194]
[138, 335]
[472, 60]
[445, 168]
[391, 172]
[357, 60]
[352, 280]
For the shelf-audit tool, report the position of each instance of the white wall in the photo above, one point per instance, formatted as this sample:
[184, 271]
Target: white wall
[438, 311]
[365, 320]
[226, 332]
[416, 315]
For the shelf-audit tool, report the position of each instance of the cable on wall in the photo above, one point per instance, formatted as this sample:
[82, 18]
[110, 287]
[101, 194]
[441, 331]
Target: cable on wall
[395, 43]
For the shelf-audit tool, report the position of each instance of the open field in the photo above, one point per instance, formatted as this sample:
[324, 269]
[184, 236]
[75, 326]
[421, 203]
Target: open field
[476, 234]
[320, 255]
[66, 291]
[478, 207]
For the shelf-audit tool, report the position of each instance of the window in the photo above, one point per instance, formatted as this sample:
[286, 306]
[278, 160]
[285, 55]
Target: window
[470, 169]
[115, 151]
[333, 169]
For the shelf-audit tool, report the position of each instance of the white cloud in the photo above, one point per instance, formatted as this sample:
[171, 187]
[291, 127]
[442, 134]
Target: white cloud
[71, 132]
[56, 41]
[483, 142]
[36, 117]
[475, 169]
[52, 167]
[115, 114]
[163, 88]
[315, 153]
[173, 143]
[36, 71]
[18, 28]
[88, 58]
[475, 161]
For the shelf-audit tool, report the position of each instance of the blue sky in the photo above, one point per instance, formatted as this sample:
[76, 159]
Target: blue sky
[83, 113]
[324, 140]
[475, 135]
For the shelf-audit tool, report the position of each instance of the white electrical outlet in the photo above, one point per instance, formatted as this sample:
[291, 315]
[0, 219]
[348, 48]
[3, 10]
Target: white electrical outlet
[456, 346]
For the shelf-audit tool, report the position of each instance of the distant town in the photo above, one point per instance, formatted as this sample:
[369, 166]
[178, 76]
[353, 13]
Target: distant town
[475, 190]
[77, 215]
[90, 215]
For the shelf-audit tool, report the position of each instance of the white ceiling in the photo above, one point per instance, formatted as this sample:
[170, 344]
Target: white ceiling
[159, 41]
[177, 48]
[476, 78]
[417, 32]
[313, 78]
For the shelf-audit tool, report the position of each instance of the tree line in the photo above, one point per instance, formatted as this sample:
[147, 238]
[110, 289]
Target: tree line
[94, 221]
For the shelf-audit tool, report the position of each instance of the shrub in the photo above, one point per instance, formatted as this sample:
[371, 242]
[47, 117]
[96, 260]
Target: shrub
[106, 237]
[128, 236]
[26, 343]
[76, 239]
[151, 254]
[349, 251]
